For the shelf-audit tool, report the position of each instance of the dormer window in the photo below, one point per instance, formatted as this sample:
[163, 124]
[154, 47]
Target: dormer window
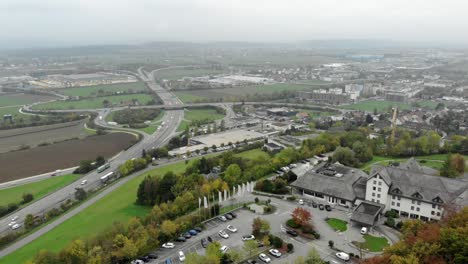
[417, 195]
[437, 200]
[397, 191]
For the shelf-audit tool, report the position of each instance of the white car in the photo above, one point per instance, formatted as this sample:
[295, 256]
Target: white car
[15, 226]
[301, 202]
[223, 234]
[275, 252]
[224, 249]
[168, 245]
[15, 218]
[12, 224]
[138, 261]
[364, 230]
[231, 228]
[181, 256]
[222, 218]
[342, 256]
[83, 182]
[264, 258]
[248, 237]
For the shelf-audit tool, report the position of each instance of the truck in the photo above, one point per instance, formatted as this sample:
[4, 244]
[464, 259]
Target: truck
[106, 177]
[103, 167]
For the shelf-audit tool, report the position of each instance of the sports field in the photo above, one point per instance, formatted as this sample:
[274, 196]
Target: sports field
[92, 103]
[37, 189]
[92, 91]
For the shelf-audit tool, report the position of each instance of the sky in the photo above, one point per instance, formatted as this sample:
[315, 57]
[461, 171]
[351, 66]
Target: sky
[36, 23]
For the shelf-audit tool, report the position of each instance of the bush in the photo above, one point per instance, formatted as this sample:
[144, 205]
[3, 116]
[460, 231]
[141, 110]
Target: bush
[291, 223]
[316, 235]
[331, 243]
[391, 213]
[276, 241]
[27, 197]
[256, 200]
[399, 225]
[291, 198]
[390, 222]
[290, 247]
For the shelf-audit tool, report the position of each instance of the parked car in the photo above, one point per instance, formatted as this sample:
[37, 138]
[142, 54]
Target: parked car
[342, 256]
[193, 232]
[138, 261]
[364, 230]
[228, 216]
[234, 215]
[144, 259]
[209, 239]
[181, 239]
[301, 202]
[328, 208]
[321, 207]
[198, 229]
[168, 261]
[204, 242]
[231, 228]
[250, 261]
[292, 232]
[152, 256]
[264, 258]
[248, 237]
[187, 235]
[275, 252]
[224, 249]
[223, 234]
[222, 218]
[314, 204]
[169, 244]
[181, 256]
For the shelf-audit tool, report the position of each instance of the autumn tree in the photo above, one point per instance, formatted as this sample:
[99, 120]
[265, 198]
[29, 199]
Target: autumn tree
[301, 216]
[260, 227]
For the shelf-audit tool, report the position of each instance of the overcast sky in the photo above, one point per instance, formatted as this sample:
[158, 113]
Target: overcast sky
[31, 23]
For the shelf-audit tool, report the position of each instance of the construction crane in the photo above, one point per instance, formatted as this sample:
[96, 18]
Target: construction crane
[394, 124]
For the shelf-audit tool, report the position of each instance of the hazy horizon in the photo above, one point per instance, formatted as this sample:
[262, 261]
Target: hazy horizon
[55, 23]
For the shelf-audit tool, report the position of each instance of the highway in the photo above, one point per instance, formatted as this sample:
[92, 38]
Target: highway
[171, 120]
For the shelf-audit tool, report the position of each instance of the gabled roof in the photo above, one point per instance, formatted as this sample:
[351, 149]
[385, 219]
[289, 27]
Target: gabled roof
[378, 170]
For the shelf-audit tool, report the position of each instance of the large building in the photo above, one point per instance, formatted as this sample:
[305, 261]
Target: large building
[409, 189]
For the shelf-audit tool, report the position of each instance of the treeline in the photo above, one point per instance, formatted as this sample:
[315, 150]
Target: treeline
[38, 120]
[135, 116]
[440, 242]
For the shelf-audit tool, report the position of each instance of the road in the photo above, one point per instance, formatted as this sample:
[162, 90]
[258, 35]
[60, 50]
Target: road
[171, 121]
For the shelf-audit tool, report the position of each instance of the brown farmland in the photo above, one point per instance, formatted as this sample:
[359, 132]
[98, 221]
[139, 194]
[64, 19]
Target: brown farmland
[25, 163]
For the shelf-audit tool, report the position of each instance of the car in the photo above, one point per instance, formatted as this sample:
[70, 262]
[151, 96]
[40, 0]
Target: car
[224, 249]
[138, 261]
[292, 232]
[264, 258]
[342, 256]
[169, 244]
[83, 182]
[223, 234]
[328, 208]
[55, 173]
[209, 239]
[234, 215]
[321, 207]
[152, 256]
[15, 226]
[250, 261]
[144, 259]
[181, 256]
[274, 252]
[168, 261]
[181, 239]
[198, 229]
[364, 230]
[15, 218]
[301, 202]
[231, 228]
[228, 216]
[193, 232]
[187, 235]
[222, 218]
[204, 242]
[12, 224]
[314, 204]
[248, 237]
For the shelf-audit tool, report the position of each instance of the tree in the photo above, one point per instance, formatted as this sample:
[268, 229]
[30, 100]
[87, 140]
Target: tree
[47, 257]
[362, 152]
[27, 197]
[74, 253]
[29, 221]
[344, 156]
[168, 229]
[301, 216]
[80, 194]
[250, 247]
[260, 227]
[233, 174]
[453, 166]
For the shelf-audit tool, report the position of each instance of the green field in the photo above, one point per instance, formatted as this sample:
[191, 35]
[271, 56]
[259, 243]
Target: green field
[92, 91]
[198, 114]
[14, 111]
[37, 189]
[313, 82]
[383, 106]
[116, 206]
[175, 74]
[20, 99]
[373, 244]
[433, 161]
[338, 224]
[150, 129]
[95, 102]
[186, 97]
[253, 154]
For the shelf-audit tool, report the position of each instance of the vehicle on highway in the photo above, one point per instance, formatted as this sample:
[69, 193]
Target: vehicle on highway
[181, 239]
[321, 207]
[193, 232]
[83, 182]
[364, 230]
[224, 249]
[292, 232]
[231, 228]
[181, 256]
[204, 242]
[248, 237]
[14, 218]
[12, 224]
[301, 202]
[103, 167]
[168, 245]
[274, 252]
[55, 173]
[222, 218]
[342, 256]
[106, 177]
[15, 226]
[264, 258]
[328, 208]
[223, 234]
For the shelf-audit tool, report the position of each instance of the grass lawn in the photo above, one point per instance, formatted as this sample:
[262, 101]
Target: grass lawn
[150, 129]
[14, 111]
[37, 189]
[374, 244]
[188, 98]
[198, 114]
[433, 161]
[116, 206]
[337, 224]
[313, 82]
[91, 91]
[94, 102]
[175, 74]
[183, 125]
[16, 99]
[253, 154]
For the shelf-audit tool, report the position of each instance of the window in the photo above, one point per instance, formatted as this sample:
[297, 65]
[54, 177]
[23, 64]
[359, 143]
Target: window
[413, 201]
[417, 209]
[438, 207]
[375, 182]
[398, 204]
[378, 195]
[432, 213]
[373, 188]
[380, 183]
[438, 213]
[373, 200]
[393, 196]
[373, 194]
[380, 189]
[412, 208]
[419, 202]
[378, 201]
[399, 198]
[342, 201]
[433, 206]
[393, 203]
